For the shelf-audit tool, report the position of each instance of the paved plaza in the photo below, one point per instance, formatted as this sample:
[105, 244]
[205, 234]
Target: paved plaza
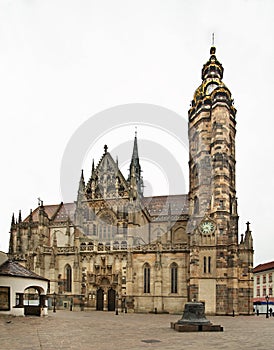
[105, 330]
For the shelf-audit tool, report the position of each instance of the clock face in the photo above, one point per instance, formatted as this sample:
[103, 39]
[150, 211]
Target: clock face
[207, 227]
[210, 88]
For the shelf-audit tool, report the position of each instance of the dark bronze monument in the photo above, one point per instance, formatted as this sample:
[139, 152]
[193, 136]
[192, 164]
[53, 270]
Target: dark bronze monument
[194, 320]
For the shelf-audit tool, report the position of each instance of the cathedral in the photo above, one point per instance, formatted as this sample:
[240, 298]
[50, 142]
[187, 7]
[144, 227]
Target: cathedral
[114, 248]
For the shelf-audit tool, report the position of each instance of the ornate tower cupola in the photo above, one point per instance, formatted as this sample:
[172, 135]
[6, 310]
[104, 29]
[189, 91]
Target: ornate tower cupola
[212, 68]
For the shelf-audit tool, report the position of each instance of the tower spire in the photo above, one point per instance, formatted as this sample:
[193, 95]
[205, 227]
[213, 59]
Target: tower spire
[81, 182]
[81, 188]
[12, 220]
[135, 177]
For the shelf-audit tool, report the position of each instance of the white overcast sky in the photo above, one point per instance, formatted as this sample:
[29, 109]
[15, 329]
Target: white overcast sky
[61, 62]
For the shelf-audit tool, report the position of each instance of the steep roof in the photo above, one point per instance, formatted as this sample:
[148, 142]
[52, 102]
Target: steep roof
[13, 269]
[160, 205]
[156, 206]
[55, 212]
[264, 267]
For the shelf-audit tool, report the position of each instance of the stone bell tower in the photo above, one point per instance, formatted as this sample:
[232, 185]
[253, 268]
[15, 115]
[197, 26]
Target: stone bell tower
[213, 226]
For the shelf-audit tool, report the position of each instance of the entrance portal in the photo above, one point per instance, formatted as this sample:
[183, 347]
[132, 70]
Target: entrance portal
[111, 299]
[100, 300]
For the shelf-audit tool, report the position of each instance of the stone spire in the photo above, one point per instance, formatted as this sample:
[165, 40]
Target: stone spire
[19, 217]
[12, 220]
[81, 188]
[135, 177]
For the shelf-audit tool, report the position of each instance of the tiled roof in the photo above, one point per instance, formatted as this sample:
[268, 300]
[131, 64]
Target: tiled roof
[160, 205]
[156, 206]
[12, 268]
[56, 212]
[264, 267]
[65, 211]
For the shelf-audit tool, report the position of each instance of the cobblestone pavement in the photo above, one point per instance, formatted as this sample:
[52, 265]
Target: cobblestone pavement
[105, 330]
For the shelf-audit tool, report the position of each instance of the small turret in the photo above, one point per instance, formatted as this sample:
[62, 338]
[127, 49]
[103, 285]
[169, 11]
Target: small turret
[248, 240]
[81, 182]
[12, 220]
[19, 217]
[30, 216]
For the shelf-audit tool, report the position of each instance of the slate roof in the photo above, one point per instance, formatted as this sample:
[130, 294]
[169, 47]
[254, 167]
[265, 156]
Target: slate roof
[264, 267]
[13, 269]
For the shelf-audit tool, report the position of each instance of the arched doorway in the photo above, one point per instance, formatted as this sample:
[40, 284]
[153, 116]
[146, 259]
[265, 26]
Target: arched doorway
[33, 301]
[111, 299]
[100, 300]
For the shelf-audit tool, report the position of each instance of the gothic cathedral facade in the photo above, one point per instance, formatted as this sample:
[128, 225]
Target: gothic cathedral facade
[114, 247]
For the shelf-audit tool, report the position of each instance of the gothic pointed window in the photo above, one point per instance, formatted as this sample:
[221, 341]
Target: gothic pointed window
[146, 278]
[67, 278]
[94, 230]
[174, 278]
[195, 176]
[196, 205]
[204, 264]
[209, 264]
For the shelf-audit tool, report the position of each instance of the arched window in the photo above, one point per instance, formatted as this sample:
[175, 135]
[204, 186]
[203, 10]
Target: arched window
[204, 264]
[94, 230]
[174, 278]
[209, 264]
[230, 204]
[195, 176]
[67, 284]
[196, 205]
[146, 278]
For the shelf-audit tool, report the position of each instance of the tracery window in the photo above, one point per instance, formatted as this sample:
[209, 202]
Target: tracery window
[67, 285]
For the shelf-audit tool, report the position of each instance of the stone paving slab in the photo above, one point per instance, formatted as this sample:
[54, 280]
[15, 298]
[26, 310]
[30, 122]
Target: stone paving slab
[104, 330]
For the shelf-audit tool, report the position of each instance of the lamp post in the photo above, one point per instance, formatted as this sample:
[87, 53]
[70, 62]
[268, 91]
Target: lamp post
[54, 302]
[267, 298]
[116, 302]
